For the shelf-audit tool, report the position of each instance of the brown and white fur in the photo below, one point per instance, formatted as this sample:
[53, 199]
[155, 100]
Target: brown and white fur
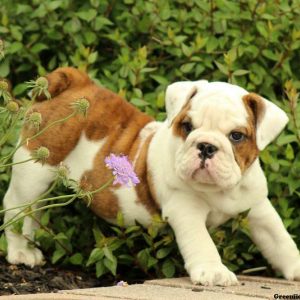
[193, 191]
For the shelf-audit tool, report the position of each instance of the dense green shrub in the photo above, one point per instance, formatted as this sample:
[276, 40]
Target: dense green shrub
[137, 48]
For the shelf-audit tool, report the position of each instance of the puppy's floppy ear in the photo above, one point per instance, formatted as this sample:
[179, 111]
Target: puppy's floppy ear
[178, 94]
[270, 119]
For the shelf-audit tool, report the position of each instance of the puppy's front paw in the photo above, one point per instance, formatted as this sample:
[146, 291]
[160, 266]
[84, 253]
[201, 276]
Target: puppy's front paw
[293, 272]
[27, 256]
[210, 274]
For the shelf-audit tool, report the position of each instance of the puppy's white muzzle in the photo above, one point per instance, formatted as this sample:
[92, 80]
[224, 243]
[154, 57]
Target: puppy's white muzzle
[207, 158]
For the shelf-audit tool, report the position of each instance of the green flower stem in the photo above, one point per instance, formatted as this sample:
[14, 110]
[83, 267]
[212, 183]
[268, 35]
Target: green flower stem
[102, 187]
[80, 194]
[38, 200]
[17, 163]
[10, 222]
[28, 205]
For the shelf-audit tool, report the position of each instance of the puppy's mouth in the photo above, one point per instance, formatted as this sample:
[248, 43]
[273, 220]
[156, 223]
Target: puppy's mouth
[203, 173]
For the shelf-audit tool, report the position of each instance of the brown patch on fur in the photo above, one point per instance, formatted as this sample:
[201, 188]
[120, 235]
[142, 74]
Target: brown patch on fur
[104, 203]
[178, 120]
[109, 117]
[247, 151]
[145, 188]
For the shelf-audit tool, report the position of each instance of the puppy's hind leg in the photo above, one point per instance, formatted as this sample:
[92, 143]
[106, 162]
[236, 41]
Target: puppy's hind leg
[29, 180]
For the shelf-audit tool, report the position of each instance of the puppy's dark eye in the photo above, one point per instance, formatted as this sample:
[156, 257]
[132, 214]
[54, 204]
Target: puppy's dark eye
[187, 127]
[236, 136]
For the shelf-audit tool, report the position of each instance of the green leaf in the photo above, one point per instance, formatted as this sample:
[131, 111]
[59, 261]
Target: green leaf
[187, 51]
[147, 70]
[4, 68]
[151, 262]
[160, 79]
[23, 8]
[120, 219]
[232, 54]
[98, 235]
[222, 68]
[132, 229]
[60, 236]
[186, 68]
[289, 152]
[111, 265]
[160, 101]
[240, 72]
[153, 231]
[95, 256]
[287, 223]
[139, 102]
[57, 255]
[16, 33]
[87, 15]
[100, 269]
[164, 10]
[90, 37]
[45, 218]
[15, 47]
[168, 268]
[143, 257]
[95, 3]
[3, 244]
[270, 54]
[92, 57]
[108, 253]
[73, 25]
[262, 29]
[53, 5]
[20, 89]
[286, 139]
[38, 47]
[163, 252]
[76, 259]
[211, 44]
[101, 22]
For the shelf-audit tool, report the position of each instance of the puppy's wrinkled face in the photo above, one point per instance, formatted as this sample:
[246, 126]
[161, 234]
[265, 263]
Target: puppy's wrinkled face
[216, 135]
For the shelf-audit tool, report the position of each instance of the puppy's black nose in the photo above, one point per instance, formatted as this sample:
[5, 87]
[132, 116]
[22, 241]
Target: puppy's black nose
[206, 150]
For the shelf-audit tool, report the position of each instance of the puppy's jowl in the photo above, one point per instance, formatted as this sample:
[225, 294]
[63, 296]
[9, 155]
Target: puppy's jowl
[199, 168]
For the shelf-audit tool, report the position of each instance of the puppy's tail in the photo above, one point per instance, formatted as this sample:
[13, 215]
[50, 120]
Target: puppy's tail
[62, 79]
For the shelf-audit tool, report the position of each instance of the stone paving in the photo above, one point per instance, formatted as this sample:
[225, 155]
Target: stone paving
[250, 288]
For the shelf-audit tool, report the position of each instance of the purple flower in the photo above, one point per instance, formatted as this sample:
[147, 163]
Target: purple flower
[122, 283]
[122, 169]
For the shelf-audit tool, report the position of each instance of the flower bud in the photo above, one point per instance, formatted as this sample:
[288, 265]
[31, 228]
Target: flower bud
[42, 82]
[63, 171]
[35, 119]
[12, 106]
[41, 154]
[4, 85]
[81, 106]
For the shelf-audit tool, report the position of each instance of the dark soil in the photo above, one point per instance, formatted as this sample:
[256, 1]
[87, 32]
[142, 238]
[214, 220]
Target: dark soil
[24, 280]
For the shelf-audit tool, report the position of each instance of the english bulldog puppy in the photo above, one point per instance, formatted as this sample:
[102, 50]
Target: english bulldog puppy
[199, 167]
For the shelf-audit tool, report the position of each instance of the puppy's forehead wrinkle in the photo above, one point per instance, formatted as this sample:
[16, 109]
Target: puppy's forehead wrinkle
[221, 116]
